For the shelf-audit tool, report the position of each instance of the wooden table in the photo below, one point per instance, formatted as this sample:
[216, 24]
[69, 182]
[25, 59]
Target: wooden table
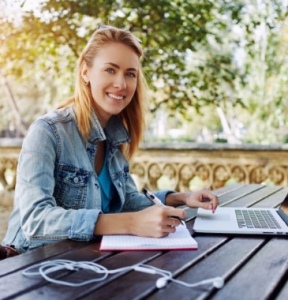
[253, 267]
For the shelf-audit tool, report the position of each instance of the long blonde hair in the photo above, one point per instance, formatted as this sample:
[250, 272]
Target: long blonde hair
[133, 116]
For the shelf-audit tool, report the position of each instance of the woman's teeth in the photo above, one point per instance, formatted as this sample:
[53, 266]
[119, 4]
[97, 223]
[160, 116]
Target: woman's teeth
[115, 97]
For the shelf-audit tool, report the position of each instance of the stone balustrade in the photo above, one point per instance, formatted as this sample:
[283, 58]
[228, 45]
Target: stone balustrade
[184, 166]
[9, 152]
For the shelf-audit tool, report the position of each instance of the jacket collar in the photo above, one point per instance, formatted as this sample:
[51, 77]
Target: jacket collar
[114, 132]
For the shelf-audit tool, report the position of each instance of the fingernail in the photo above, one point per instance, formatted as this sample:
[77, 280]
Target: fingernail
[212, 208]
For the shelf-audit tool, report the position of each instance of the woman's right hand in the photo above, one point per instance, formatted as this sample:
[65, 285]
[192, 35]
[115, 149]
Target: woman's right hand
[156, 221]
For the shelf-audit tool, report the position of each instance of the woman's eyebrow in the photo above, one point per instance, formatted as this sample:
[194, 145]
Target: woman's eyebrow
[118, 67]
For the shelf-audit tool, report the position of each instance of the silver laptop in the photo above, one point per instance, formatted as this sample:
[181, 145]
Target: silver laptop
[240, 220]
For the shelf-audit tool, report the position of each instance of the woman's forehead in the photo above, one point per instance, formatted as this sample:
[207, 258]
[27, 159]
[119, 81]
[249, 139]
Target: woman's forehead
[118, 54]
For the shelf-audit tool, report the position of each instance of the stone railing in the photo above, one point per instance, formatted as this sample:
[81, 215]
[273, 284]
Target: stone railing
[9, 152]
[191, 166]
[184, 166]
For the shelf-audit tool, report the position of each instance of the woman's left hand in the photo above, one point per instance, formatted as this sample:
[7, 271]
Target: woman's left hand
[203, 198]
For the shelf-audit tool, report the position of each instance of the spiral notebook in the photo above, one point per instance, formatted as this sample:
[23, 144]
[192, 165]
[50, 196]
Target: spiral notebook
[181, 239]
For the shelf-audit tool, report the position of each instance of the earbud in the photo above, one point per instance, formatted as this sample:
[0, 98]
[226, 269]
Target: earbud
[218, 282]
[161, 282]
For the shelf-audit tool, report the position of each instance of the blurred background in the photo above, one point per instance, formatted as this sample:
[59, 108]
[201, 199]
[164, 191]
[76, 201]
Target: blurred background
[217, 69]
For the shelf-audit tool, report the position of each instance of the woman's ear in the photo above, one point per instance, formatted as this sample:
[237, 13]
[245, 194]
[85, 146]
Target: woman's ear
[84, 73]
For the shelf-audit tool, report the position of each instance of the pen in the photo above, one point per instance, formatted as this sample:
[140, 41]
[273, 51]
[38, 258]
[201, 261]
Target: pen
[157, 201]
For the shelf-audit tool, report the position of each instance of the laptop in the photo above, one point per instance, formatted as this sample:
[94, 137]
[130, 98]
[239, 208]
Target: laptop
[241, 220]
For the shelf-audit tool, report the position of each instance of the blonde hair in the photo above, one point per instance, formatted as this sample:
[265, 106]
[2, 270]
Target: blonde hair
[133, 116]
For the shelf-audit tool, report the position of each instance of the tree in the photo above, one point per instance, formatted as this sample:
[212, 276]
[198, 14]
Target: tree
[168, 30]
[191, 49]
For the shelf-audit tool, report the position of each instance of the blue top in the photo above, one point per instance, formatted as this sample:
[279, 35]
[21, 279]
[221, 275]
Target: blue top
[108, 192]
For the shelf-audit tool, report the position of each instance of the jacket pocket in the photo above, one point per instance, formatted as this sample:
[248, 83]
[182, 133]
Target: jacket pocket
[71, 186]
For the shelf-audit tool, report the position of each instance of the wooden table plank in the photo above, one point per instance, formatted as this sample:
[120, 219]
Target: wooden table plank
[228, 188]
[274, 199]
[254, 197]
[15, 263]
[234, 195]
[283, 294]
[270, 264]
[223, 262]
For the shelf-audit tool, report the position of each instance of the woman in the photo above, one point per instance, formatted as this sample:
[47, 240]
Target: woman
[73, 179]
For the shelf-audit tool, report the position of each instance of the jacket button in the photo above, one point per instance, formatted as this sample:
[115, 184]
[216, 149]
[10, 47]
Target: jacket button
[76, 180]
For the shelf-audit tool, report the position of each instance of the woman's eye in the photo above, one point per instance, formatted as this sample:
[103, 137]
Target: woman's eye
[110, 70]
[131, 74]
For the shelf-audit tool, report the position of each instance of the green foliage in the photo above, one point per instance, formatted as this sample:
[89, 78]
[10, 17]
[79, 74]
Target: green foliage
[193, 55]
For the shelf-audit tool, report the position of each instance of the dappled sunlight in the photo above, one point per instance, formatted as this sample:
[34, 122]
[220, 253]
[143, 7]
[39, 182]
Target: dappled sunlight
[226, 77]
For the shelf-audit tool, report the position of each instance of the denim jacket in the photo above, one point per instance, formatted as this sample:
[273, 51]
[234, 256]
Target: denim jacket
[57, 194]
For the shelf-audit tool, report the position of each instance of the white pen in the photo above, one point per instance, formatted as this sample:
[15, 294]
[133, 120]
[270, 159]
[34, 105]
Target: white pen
[152, 197]
[157, 201]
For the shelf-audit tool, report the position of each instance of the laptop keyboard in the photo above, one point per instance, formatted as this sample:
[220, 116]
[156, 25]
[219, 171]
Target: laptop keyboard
[256, 219]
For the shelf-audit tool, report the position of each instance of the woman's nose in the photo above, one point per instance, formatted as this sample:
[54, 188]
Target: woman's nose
[120, 82]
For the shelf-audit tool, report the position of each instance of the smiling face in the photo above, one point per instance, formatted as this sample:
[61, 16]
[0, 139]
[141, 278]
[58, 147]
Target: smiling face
[113, 79]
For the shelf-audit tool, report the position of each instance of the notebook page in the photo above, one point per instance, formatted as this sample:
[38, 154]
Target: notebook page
[181, 239]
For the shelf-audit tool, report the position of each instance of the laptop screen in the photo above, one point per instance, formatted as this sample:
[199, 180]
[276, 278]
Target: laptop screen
[283, 211]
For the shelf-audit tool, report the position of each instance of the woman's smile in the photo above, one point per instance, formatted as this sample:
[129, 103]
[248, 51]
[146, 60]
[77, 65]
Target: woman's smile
[115, 97]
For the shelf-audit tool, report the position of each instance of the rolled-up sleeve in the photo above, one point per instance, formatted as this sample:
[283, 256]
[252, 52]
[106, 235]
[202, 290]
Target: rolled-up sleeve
[83, 225]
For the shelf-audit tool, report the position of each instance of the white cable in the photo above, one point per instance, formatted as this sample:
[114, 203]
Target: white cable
[217, 282]
[45, 268]
[152, 270]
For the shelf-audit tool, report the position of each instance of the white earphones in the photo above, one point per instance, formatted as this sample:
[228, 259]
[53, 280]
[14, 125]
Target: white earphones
[44, 269]
[218, 282]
